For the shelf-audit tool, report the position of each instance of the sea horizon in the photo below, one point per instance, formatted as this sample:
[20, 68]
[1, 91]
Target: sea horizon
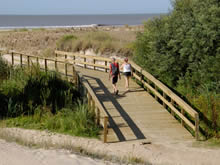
[70, 20]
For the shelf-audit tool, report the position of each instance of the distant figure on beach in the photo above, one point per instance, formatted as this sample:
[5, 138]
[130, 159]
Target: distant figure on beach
[114, 74]
[127, 72]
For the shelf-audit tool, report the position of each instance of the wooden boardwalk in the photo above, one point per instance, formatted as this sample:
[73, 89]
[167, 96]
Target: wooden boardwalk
[134, 115]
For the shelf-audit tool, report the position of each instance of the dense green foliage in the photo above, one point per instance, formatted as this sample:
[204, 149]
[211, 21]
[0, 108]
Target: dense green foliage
[30, 98]
[28, 89]
[182, 49]
[4, 69]
[78, 121]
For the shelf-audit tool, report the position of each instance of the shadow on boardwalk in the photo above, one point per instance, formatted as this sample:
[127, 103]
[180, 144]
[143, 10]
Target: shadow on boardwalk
[106, 96]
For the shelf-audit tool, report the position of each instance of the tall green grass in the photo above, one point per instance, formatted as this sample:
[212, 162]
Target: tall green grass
[30, 98]
[78, 121]
[27, 89]
[4, 69]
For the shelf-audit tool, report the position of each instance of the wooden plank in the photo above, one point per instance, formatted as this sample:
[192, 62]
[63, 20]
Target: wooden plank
[21, 60]
[28, 61]
[169, 93]
[105, 129]
[197, 127]
[135, 66]
[45, 63]
[164, 95]
[171, 106]
[91, 64]
[94, 97]
[12, 58]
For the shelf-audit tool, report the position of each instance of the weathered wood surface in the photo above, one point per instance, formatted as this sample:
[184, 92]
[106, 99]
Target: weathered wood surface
[134, 115]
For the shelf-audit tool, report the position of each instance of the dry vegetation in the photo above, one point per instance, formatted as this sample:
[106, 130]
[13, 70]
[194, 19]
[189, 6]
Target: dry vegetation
[44, 41]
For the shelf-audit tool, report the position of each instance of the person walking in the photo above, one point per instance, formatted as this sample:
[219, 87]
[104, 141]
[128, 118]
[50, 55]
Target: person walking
[114, 74]
[127, 72]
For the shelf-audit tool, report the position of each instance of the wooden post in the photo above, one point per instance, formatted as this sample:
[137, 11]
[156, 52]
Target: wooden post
[105, 129]
[97, 111]
[56, 68]
[74, 59]
[75, 76]
[94, 63]
[84, 61]
[142, 79]
[164, 95]
[182, 111]
[45, 63]
[197, 126]
[135, 72]
[148, 90]
[106, 63]
[155, 94]
[28, 61]
[37, 61]
[21, 60]
[92, 105]
[12, 58]
[66, 69]
[172, 102]
[89, 100]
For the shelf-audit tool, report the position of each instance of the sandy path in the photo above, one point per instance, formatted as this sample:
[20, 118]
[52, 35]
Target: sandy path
[13, 154]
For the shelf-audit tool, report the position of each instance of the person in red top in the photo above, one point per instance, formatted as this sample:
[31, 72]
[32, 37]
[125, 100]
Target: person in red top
[114, 74]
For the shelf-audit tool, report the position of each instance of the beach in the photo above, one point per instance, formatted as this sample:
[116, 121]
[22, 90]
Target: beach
[11, 154]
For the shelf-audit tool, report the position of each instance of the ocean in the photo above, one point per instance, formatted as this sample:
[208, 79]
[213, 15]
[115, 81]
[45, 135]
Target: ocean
[50, 21]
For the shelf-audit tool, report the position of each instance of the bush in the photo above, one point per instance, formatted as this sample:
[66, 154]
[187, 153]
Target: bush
[26, 90]
[65, 43]
[38, 100]
[182, 49]
[4, 69]
[78, 121]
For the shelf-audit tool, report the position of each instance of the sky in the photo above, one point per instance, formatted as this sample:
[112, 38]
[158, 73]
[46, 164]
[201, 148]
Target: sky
[84, 6]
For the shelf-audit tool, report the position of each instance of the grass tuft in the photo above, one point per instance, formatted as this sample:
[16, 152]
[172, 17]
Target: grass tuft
[100, 42]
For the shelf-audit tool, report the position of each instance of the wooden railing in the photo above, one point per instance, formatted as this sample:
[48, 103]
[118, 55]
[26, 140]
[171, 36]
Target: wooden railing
[93, 102]
[92, 62]
[177, 106]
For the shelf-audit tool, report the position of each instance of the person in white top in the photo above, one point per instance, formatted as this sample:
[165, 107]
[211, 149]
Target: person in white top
[127, 71]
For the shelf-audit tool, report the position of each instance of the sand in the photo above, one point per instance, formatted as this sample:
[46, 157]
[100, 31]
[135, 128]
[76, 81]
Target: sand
[13, 154]
[157, 153]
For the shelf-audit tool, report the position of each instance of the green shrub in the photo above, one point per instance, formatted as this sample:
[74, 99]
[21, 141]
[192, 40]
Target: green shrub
[65, 43]
[27, 89]
[78, 121]
[182, 49]
[4, 69]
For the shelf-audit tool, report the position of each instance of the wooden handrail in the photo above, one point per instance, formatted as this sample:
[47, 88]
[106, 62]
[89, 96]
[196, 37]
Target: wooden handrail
[85, 60]
[177, 105]
[168, 98]
[141, 75]
[101, 115]
[92, 98]
[71, 54]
